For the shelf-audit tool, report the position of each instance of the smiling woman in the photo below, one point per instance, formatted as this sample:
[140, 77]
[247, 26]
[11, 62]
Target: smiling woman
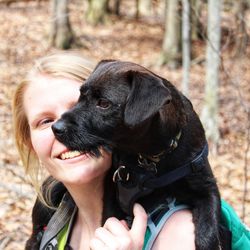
[51, 78]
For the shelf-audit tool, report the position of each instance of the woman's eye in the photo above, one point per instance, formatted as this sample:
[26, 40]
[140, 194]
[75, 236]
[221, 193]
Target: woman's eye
[103, 103]
[44, 122]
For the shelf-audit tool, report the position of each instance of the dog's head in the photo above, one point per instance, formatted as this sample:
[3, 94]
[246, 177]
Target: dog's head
[121, 104]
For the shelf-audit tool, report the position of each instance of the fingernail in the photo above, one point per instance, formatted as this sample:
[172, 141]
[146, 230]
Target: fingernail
[138, 207]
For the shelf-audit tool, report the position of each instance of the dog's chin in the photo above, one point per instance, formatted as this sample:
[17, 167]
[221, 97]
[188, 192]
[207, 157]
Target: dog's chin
[93, 150]
[93, 146]
[96, 151]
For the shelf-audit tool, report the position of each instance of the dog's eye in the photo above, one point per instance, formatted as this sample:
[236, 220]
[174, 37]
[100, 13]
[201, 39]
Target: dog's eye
[103, 103]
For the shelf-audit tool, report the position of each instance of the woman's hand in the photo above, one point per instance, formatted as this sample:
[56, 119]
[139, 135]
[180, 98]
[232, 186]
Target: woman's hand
[116, 235]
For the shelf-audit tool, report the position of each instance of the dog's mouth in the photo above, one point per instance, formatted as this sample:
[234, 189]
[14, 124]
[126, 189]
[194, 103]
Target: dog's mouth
[70, 154]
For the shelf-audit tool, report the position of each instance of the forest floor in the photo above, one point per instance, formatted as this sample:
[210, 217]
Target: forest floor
[24, 37]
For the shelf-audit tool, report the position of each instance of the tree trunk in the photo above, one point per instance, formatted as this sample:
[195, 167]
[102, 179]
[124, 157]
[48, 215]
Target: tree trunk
[171, 48]
[61, 33]
[185, 45]
[97, 11]
[210, 110]
[240, 7]
[145, 7]
[117, 7]
[114, 6]
[195, 22]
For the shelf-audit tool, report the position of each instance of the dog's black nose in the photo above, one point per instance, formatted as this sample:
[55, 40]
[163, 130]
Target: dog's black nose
[59, 128]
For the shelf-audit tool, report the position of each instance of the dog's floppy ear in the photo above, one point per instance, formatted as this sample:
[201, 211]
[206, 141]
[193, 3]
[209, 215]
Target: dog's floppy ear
[148, 94]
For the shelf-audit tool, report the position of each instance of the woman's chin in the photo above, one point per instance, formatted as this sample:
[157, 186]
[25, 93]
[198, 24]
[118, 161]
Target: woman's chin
[81, 178]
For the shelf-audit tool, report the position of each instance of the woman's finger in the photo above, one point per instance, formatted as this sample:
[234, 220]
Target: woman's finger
[96, 244]
[115, 227]
[139, 225]
[124, 223]
[107, 237]
[115, 234]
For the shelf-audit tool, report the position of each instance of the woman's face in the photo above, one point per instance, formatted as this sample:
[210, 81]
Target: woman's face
[45, 100]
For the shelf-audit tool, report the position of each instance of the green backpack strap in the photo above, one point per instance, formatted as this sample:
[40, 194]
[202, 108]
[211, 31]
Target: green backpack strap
[240, 232]
[62, 237]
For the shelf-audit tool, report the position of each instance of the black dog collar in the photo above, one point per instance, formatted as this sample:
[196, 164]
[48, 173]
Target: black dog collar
[134, 183]
[149, 162]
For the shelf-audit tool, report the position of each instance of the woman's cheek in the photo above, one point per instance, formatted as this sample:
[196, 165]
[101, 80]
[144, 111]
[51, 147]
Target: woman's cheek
[106, 159]
[42, 143]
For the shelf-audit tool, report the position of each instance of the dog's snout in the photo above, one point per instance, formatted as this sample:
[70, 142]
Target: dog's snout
[59, 128]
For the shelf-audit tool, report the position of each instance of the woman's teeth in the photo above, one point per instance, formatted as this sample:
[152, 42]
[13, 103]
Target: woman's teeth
[70, 154]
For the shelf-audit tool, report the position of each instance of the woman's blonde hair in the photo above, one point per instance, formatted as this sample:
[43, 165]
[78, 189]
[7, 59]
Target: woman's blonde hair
[68, 65]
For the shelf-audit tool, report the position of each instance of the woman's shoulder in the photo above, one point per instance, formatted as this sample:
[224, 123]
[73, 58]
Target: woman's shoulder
[177, 232]
[170, 224]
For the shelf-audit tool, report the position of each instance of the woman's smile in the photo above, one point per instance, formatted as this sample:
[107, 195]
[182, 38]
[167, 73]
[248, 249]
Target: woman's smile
[72, 156]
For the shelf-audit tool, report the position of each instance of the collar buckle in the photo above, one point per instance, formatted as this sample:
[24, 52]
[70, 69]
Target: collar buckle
[147, 164]
[174, 142]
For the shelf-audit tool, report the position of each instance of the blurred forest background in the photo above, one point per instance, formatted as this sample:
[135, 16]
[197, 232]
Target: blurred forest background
[200, 46]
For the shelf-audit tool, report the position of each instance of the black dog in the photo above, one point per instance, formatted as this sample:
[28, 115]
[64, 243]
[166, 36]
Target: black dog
[157, 138]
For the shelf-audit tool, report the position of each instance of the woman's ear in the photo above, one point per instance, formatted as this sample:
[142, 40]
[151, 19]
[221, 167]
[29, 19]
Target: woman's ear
[148, 94]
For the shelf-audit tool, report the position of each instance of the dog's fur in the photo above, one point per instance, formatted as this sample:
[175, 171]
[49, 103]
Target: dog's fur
[124, 107]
